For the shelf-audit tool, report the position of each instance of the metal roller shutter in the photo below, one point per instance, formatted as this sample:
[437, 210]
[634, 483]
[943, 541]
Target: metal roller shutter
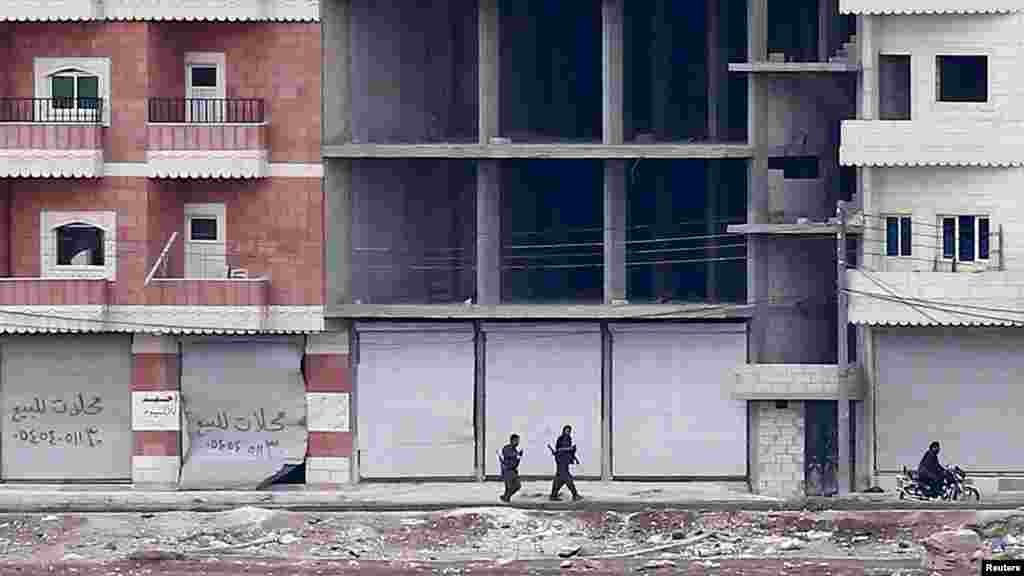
[672, 409]
[414, 400]
[538, 379]
[245, 411]
[960, 386]
[67, 407]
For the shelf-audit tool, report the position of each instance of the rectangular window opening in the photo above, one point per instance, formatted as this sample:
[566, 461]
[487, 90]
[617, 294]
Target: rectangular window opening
[898, 236]
[795, 167]
[79, 245]
[961, 78]
[966, 238]
[894, 83]
[203, 229]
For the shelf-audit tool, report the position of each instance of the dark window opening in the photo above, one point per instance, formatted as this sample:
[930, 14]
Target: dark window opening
[962, 78]
[894, 101]
[847, 182]
[966, 238]
[204, 77]
[795, 167]
[948, 237]
[203, 229]
[793, 29]
[79, 245]
[983, 238]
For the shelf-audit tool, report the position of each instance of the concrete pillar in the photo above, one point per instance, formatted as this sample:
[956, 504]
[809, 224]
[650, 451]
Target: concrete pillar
[328, 372]
[612, 16]
[606, 403]
[826, 23]
[757, 36]
[490, 70]
[156, 458]
[337, 231]
[337, 65]
[488, 232]
[662, 67]
[614, 230]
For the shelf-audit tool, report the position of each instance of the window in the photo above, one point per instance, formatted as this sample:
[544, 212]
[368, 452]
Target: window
[898, 236]
[72, 89]
[894, 87]
[965, 238]
[203, 229]
[79, 245]
[961, 78]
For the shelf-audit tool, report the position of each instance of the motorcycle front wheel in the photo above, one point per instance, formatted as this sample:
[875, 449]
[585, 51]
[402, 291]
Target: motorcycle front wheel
[970, 494]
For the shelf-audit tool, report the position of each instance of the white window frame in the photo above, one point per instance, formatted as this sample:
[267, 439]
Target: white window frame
[51, 221]
[899, 241]
[44, 68]
[978, 261]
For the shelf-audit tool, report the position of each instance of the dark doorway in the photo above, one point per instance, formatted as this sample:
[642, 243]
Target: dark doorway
[821, 448]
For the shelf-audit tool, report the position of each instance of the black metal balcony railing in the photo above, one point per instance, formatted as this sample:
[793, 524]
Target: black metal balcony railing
[55, 110]
[206, 110]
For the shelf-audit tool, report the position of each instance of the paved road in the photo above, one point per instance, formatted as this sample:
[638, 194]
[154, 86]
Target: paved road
[239, 568]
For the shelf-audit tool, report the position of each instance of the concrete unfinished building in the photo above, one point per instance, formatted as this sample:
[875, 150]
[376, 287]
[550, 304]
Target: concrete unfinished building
[589, 213]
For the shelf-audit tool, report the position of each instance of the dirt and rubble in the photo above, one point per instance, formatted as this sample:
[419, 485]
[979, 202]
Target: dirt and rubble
[502, 536]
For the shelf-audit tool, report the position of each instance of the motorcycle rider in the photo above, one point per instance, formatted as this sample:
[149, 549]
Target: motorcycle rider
[930, 473]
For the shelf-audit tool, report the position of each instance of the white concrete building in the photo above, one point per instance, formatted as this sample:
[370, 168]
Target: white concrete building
[939, 293]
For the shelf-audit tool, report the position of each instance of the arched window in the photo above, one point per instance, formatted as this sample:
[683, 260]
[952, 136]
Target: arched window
[80, 244]
[74, 89]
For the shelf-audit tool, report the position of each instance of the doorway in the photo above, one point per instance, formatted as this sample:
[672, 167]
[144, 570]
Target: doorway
[821, 448]
[205, 241]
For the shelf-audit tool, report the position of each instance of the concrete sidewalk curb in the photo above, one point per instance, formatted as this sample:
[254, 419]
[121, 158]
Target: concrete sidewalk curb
[129, 500]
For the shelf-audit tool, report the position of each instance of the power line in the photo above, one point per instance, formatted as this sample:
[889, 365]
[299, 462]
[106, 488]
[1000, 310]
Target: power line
[928, 304]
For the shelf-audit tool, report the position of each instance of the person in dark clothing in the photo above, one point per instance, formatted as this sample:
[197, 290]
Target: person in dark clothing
[565, 454]
[511, 454]
[930, 473]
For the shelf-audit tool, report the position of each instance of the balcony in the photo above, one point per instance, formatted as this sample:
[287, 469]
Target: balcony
[910, 298]
[207, 138]
[796, 382]
[911, 143]
[51, 137]
[45, 304]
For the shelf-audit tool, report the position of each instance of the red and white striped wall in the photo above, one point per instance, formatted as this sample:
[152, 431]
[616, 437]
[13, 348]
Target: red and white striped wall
[156, 458]
[328, 404]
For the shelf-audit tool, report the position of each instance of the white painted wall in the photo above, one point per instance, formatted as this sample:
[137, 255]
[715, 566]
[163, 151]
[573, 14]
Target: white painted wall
[928, 192]
[925, 36]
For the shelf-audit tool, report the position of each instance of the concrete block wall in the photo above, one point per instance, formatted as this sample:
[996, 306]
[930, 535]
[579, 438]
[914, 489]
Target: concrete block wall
[778, 467]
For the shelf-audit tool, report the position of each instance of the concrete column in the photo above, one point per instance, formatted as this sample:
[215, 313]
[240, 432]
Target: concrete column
[757, 35]
[337, 65]
[711, 201]
[612, 16]
[156, 458]
[614, 230]
[826, 20]
[606, 403]
[337, 186]
[328, 372]
[488, 232]
[480, 403]
[490, 70]
[867, 103]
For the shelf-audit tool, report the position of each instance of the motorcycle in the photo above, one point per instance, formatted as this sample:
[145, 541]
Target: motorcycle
[955, 486]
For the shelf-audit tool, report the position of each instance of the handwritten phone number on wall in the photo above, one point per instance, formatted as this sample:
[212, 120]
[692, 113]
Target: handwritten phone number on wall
[87, 438]
[239, 447]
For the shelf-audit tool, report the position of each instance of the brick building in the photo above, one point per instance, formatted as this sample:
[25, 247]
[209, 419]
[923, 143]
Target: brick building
[161, 289]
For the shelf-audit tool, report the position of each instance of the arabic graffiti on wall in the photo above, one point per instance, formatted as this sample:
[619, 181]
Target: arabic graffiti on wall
[156, 410]
[232, 445]
[84, 438]
[225, 420]
[79, 405]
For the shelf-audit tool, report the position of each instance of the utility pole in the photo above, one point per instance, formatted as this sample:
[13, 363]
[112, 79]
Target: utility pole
[843, 466]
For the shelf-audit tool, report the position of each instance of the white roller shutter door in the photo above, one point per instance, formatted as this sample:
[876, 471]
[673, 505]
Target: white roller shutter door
[244, 403]
[538, 379]
[414, 400]
[672, 409]
[67, 407]
[958, 386]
